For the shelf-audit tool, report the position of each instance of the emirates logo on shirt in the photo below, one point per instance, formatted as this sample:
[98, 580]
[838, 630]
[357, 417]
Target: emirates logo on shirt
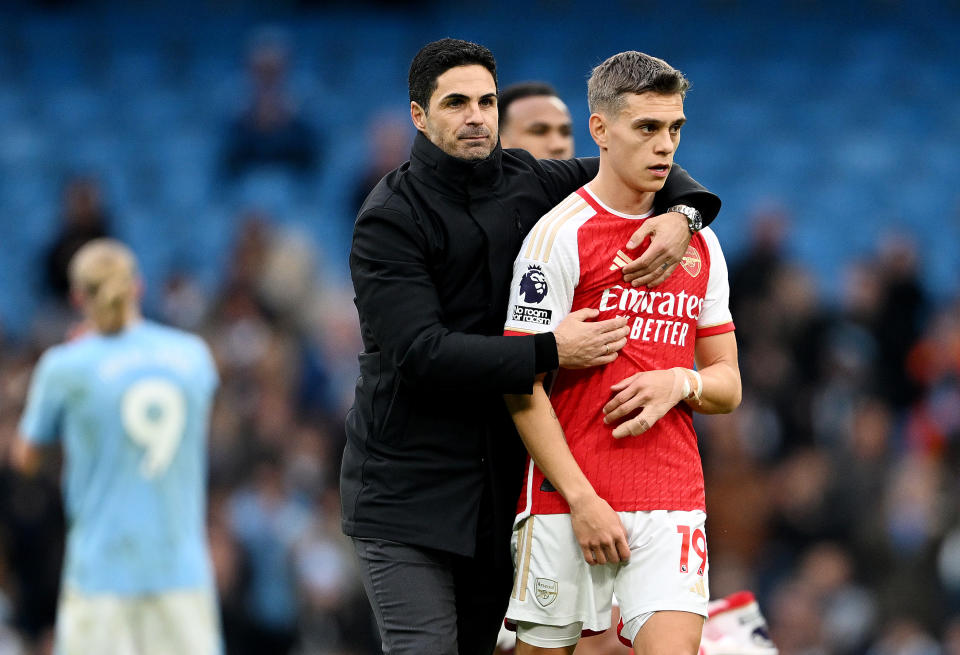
[691, 262]
[656, 309]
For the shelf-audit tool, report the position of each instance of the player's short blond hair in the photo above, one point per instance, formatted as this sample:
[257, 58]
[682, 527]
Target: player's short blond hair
[631, 72]
[104, 273]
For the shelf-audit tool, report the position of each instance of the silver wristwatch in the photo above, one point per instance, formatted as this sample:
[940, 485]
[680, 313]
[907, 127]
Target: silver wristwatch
[694, 219]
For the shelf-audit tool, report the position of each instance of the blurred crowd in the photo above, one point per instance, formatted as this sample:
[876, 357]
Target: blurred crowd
[281, 342]
[832, 492]
[285, 343]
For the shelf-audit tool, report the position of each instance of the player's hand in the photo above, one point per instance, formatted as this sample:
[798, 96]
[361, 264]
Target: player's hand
[599, 531]
[669, 236]
[655, 391]
[582, 344]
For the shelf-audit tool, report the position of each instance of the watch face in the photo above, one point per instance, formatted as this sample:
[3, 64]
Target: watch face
[694, 221]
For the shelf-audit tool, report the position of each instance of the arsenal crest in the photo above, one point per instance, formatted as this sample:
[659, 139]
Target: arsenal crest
[691, 262]
[545, 591]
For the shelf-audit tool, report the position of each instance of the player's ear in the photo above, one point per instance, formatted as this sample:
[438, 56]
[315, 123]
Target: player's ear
[598, 130]
[419, 116]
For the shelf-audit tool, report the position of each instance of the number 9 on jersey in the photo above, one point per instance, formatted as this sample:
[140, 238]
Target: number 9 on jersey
[154, 416]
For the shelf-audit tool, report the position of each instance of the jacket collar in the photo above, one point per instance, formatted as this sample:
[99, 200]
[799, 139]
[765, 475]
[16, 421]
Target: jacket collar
[451, 175]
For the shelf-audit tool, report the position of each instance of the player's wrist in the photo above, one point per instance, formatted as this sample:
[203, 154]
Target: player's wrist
[681, 384]
[692, 216]
[578, 496]
[697, 392]
[691, 385]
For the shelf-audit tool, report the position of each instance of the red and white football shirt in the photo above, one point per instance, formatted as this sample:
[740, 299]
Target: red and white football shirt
[572, 260]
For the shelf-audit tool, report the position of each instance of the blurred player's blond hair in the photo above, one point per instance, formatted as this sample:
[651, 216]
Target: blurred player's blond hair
[103, 276]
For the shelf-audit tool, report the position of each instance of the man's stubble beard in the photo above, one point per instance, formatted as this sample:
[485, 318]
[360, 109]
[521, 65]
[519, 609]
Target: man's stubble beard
[450, 147]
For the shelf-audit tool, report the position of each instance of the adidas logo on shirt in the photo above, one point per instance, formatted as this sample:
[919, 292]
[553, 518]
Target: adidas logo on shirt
[621, 260]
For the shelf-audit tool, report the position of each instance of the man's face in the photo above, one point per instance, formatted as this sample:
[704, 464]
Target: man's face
[540, 125]
[462, 116]
[638, 144]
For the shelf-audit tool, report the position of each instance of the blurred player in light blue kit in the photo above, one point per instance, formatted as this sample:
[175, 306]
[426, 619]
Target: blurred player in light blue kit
[130, 400]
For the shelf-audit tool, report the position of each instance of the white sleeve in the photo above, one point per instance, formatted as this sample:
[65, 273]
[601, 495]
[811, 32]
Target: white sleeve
[541, 292]
[716, 303]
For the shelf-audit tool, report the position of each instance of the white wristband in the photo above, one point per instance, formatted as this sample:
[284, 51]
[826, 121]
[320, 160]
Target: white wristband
[685, 379]
[698, 393]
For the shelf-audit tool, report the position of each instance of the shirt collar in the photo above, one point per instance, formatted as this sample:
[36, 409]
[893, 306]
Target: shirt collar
[451, 174]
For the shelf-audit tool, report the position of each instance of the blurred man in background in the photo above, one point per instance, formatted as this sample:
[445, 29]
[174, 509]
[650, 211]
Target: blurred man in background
[271, 130]
[534, 118]
[130, 401]
[84, 217]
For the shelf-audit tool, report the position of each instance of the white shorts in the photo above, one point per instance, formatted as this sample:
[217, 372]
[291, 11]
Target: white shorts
[185, 622]
[554, 586]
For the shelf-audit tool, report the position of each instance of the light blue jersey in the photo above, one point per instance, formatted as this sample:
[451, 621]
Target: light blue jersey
[133, 412]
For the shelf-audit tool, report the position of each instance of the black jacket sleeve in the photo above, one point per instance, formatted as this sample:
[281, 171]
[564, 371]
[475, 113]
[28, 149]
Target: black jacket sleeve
[681, 189]
[401, 310]
[566, 176]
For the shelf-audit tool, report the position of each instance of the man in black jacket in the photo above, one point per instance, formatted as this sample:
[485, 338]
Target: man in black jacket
[432, 464]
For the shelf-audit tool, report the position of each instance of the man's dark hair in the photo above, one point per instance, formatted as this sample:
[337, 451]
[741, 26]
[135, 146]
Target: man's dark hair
[521, 90]
[435, 59]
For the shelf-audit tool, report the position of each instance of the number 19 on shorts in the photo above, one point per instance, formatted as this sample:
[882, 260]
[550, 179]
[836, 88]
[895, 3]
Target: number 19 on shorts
[698, 541]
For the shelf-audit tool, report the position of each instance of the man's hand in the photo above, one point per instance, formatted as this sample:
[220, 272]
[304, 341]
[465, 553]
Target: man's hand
[599, 531]
[669, 237]
[581, 344]
[656, 391]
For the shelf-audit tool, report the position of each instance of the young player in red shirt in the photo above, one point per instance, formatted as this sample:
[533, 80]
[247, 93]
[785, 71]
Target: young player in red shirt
[613, 501]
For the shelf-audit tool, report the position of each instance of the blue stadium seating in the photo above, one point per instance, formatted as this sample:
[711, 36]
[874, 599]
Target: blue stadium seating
[847, 114]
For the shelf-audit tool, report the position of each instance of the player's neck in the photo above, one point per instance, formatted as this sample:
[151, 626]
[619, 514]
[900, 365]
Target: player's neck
[613, 193]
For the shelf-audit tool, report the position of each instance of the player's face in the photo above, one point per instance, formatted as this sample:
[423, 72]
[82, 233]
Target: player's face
[540, 125]
[639, 142]
[462, 116]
